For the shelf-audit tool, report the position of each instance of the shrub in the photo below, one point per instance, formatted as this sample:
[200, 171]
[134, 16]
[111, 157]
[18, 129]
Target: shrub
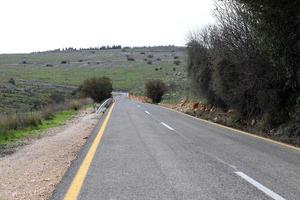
[18, 121]
[149, 62]
[12, 81]
[96, 88]
[33, 119]
[64, 62]
[155, 90]
[177, 62]
[150, 56]
[176, 57]
[130, 58]
[48, 113]
[57, 98]
[49, 65]
[158, 59]
[74, 104]
[142, 53]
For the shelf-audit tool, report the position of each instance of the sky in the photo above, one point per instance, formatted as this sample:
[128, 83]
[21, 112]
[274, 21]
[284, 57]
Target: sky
[38, 25]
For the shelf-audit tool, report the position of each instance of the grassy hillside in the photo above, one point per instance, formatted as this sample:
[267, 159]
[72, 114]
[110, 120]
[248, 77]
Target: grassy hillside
[37, 75]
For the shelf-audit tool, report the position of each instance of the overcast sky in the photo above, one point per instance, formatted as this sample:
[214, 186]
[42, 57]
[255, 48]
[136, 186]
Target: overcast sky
[37, 25]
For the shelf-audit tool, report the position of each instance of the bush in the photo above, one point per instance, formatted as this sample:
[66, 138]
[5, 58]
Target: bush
[155, 90]
[57, 98]
[64, 62]
[74, 104]
[12, 81]
[150, 56]
[98, 89]
[48, 113]
[149, 62]
[177, 62]
[130, 58]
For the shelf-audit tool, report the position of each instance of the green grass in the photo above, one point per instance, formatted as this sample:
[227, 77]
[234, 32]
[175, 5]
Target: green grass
[41, 80]
[59, 119]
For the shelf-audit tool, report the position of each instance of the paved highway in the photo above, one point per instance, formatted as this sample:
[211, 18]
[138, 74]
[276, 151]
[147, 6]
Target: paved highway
[143, 151]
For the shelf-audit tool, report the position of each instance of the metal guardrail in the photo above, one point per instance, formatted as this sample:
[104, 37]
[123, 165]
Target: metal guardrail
[102, 107]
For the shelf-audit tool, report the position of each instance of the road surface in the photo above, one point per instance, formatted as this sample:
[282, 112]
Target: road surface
[145, 151]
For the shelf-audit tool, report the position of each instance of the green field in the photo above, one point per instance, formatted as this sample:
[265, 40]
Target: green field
[37, 75]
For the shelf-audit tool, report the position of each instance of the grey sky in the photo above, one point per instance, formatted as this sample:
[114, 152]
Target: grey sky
[36, 25]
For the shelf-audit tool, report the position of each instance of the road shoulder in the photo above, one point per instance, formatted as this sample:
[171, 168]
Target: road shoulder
[44, 161]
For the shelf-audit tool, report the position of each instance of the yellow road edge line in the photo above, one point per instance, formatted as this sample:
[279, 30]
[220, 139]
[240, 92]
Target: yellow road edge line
[236, 130]
[78, 180]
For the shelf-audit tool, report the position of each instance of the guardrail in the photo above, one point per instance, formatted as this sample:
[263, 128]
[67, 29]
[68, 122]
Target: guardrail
[102, 107]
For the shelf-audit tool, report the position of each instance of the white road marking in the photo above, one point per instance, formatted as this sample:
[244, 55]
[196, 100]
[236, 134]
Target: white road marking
[147, 112]
[225, 163]
[166, 125]
[259, 186]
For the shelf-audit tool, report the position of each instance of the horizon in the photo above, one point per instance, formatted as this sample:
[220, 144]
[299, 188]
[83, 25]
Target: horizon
[109, 47]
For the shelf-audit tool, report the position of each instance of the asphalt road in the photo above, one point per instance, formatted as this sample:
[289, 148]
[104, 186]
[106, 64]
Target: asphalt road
[149, 152]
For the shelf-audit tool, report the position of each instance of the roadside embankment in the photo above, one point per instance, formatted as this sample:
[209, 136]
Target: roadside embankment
[33, 171]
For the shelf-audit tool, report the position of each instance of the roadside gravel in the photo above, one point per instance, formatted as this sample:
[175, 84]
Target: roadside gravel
[33, 171]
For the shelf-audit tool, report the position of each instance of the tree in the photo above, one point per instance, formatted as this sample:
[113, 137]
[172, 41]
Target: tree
[277, 36]
[155, 90]
[227, 69]
[98, 89]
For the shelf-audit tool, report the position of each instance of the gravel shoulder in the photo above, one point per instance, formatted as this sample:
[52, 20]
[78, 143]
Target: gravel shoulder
[33, 171]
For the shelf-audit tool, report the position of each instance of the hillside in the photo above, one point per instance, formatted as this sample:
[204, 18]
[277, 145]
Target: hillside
[38, 75]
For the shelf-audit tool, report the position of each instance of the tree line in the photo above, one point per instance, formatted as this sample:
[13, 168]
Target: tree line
[249, 60]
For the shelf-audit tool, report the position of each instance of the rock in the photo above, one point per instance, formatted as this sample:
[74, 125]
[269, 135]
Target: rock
[253, 121]
[195, 106]
[216, 120]
[183, 102]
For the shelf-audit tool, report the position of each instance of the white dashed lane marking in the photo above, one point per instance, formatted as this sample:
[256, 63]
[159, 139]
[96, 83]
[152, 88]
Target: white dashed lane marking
[166, 125]
[259, 186]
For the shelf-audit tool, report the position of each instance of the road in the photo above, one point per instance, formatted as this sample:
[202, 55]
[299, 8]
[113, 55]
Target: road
[149, 152]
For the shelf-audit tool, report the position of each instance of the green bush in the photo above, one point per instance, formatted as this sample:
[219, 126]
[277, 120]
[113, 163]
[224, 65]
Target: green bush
[155, 90]
[12, 81]
[98, 89]
[177, 62]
